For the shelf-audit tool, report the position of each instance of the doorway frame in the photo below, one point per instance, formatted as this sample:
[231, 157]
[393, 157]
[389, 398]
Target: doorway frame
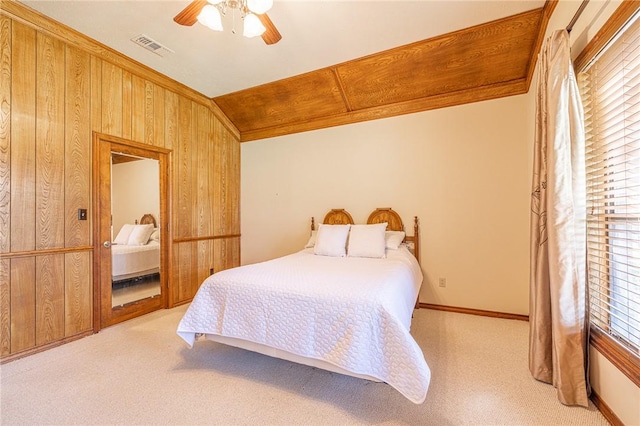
[104, 314]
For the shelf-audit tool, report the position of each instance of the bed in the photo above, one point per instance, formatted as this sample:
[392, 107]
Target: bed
[349, 313]
[135, 251]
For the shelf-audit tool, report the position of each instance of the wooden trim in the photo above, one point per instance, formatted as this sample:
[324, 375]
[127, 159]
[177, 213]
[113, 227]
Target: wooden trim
[470, 311]
[205, 238]
[104, 313]
[132, 144]
[43, 252]
[340, 85]
[494, 91]
[547, 11]
[607, 412]
[30, 17]
[606, 33]
[621, 358]
[44, 347]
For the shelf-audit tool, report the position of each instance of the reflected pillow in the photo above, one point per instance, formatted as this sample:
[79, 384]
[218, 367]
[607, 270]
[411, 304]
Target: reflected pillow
[367, 240]
[155, 235]
[331, 240]
[393, 239]
[123, 236]
[140, 235]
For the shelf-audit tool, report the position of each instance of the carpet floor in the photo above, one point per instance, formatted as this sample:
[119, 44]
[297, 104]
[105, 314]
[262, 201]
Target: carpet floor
[140, 372]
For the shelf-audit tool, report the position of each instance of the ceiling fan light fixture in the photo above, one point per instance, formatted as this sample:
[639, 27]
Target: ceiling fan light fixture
[252, 26]
[210, 17]
[259, 6]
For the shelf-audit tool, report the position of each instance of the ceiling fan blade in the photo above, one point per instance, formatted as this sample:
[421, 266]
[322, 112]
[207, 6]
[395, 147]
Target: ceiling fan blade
[271, 35]
[189, 14]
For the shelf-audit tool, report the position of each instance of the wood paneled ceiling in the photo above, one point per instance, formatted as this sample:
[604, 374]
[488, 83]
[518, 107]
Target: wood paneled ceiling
[484, 62]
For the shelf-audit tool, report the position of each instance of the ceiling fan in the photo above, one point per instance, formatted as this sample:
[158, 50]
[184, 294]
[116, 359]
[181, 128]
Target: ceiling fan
[192, 13]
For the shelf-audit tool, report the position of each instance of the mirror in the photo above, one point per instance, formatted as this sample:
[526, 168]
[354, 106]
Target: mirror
[135, 235]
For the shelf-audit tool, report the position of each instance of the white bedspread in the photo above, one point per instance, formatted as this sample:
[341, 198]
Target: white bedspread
[354, 313]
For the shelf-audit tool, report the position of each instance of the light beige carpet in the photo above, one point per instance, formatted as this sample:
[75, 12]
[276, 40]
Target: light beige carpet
[141, 372]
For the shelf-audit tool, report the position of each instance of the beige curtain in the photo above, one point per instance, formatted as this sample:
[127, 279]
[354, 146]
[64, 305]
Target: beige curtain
[558, 324]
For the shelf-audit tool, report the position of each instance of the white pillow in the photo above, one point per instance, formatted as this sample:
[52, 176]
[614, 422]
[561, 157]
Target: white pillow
[140, 235]
[155, 235]
[367, 240]
[312, 239]
[123, 236]
[393, 239]
[331, 240]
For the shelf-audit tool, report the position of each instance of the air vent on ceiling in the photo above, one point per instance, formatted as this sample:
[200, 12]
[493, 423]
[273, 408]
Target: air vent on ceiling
[152, 45]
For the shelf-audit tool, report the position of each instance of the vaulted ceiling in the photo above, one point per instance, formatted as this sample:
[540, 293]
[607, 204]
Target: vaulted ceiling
[339, 62]
[487, 61]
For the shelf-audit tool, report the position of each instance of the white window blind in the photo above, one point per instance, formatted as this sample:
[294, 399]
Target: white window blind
[611, 97]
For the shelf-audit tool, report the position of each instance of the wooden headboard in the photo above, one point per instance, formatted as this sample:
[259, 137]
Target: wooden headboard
[335, 217]
[394, 223]
[148, 218]
[380, 215]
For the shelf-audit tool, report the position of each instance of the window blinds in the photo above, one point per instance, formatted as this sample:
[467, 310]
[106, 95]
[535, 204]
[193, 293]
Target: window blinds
[611, 97]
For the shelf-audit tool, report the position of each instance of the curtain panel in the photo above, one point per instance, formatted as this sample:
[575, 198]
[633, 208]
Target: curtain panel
[558, 323]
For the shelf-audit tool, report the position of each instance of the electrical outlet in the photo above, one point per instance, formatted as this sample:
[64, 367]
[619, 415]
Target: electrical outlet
[442, 282]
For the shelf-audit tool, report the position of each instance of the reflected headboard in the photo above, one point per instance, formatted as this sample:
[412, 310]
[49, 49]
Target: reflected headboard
[148, 218]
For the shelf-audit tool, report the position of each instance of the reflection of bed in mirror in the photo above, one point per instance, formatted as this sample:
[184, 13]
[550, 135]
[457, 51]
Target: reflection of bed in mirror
[136, 251]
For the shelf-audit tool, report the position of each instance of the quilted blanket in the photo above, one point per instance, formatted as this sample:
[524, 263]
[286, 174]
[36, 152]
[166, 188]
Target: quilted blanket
[354, 313]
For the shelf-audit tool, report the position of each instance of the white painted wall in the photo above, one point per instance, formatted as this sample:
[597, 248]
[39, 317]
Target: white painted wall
[464, 171]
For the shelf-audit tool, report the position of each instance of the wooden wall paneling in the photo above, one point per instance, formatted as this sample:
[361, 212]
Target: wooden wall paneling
[149, 118]
[77, 151]
[96, 95]
[50, 144]
[220, 258]
[219, 180]
[5, 139]
[49, 298]
[226, 182]
[127, 105]
[204, 202]
[102, 52]
[137, 109]
[158, 116]
[233, 211]
[205, 261]
[194, 147]
[5, 307]
[183, 190]
[171, 142]
[78, 293]
[203, 162]
[23, 303]
[183, 168]
[170, 125]
[226, 253]
[23, 135]
[111, 99]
